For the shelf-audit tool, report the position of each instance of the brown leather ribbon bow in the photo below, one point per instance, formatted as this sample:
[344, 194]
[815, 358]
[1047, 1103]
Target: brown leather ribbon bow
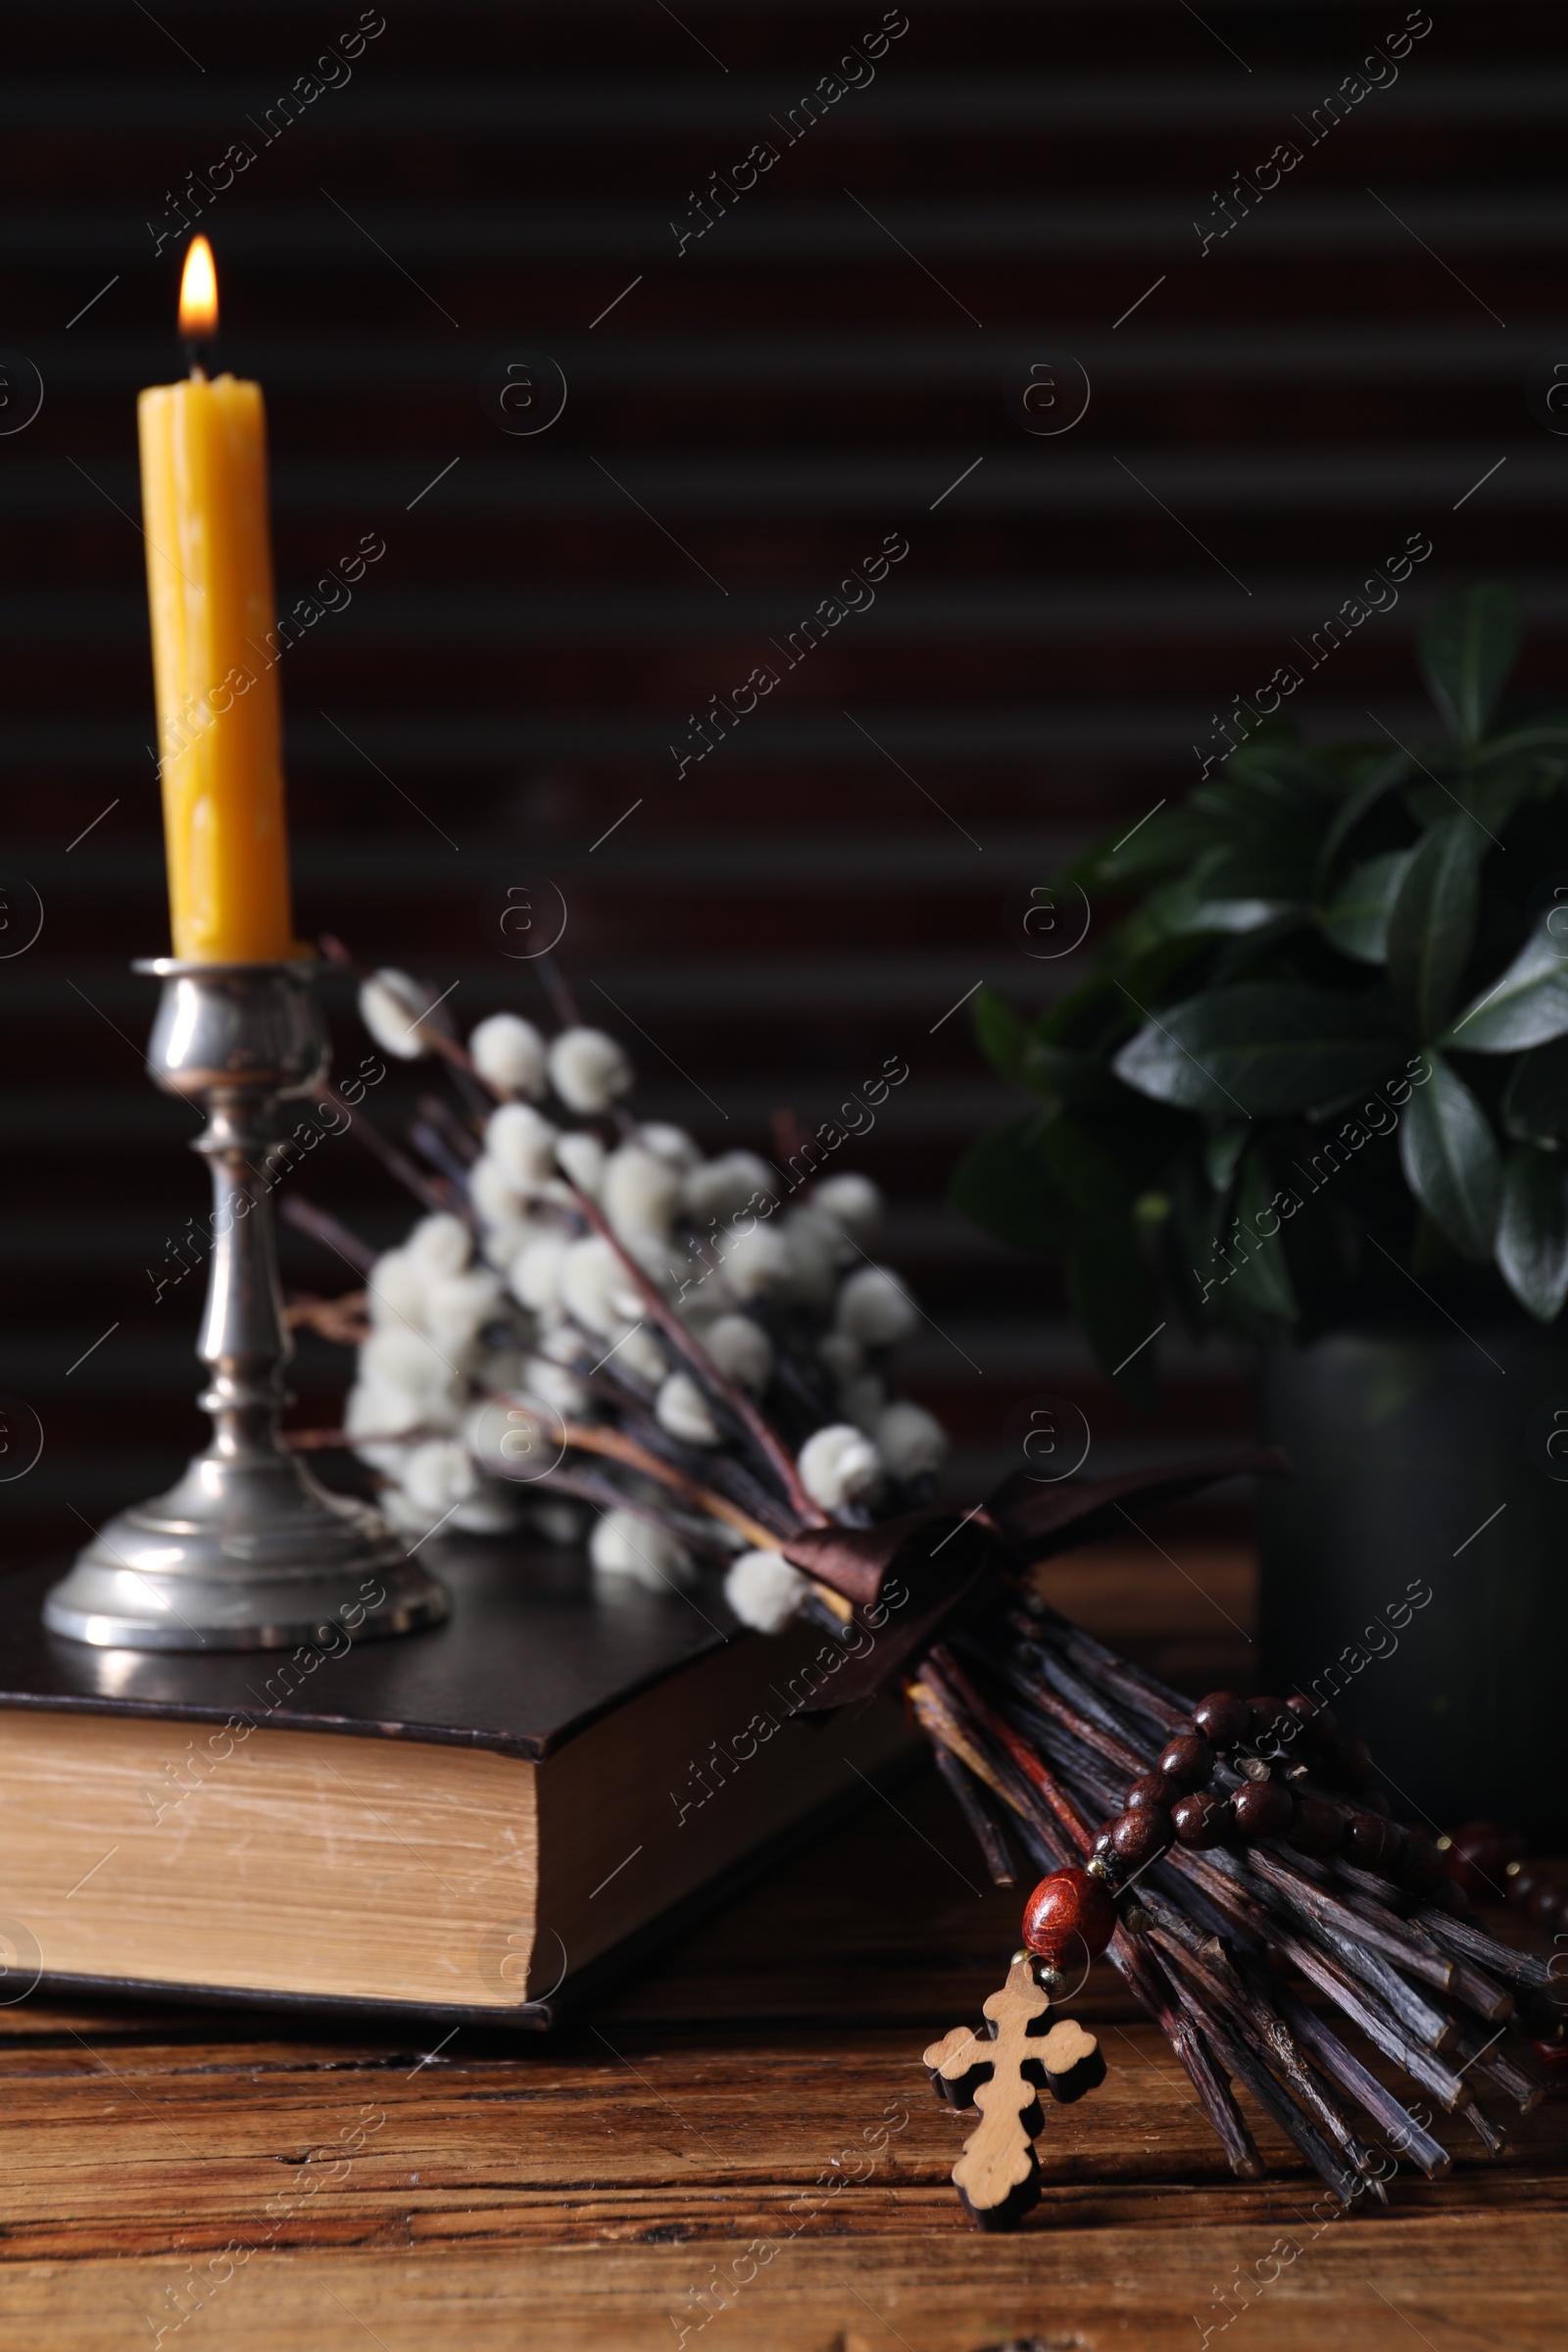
[909, 1579]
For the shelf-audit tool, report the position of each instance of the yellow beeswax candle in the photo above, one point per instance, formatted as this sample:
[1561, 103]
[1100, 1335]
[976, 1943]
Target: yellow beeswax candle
[210, 587]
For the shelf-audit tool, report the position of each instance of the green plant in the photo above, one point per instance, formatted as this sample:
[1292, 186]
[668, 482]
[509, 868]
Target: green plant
[1323, 1055]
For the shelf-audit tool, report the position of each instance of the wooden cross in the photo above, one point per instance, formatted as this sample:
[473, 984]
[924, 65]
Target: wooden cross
[1001, 2074]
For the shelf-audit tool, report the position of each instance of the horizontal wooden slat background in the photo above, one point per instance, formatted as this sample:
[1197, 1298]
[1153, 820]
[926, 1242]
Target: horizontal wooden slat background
[745, 421]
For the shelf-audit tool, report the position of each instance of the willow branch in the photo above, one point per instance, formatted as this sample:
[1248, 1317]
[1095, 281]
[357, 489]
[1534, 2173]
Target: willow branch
[732, 1395]
[434, 1193]
[595, 1437]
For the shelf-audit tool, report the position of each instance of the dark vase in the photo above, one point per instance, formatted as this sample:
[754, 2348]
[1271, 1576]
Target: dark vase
[1427, 1465]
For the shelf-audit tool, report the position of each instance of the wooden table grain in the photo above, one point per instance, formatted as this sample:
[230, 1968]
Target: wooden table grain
[739, 2152]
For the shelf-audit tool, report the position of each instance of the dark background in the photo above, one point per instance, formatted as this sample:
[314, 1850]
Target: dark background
[801, 381]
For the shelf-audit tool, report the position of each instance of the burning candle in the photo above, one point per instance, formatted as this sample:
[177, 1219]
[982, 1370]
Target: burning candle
[209, 589]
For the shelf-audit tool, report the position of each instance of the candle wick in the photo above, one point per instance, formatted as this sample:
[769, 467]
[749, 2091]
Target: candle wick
[193, 354]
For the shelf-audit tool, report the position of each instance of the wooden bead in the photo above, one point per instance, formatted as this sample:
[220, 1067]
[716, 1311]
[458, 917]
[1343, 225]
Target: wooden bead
[1189, 1760]
[1548, 1905]
[1477, 1857]
[1352, 1763]
[1273, 1724]
[1264, 1808]
[1319, 1734]
[1139, 1834]
[1069, 1915]
[1316, 1826]
[1268, 1713]
[1201, 1819]
[1222, 1718]
[1420, 1864]
[1153, 1788]
[1522, 1881]
[1370, 1841]
[1550, 2058]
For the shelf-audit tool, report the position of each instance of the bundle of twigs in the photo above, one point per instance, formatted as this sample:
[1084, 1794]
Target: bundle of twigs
[1041, 1726]
[712, 1400]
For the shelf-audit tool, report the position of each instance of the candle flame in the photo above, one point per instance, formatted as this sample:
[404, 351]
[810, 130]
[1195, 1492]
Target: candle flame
[198, 294]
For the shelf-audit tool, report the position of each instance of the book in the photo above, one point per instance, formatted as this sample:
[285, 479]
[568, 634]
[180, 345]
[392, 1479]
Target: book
[477, 1820]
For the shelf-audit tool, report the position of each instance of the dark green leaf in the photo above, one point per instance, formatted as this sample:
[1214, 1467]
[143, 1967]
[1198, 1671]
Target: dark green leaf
[1185, 908]
[1013, 1047]
[1546, 743]
[1359, 801]
[1262, 1282]
[1095, 1017]
[1090, 1015]
[1450, 1160]
[1140, 931]
[1536, 1104]
[1260, 1047]
[1004, 1035]
[1064, 1076]
[1356, 921]
[1084, 1163]
[1533, 1231]
[1278, 865]
[1432, 922]
[1525, 1008]
[1221, 1151]
[1274, 753]
[1115, 1299]
[1040, 1179]
[1183, 1240]
[1467, 650]
[1234, 960]
[1130, 853]
[1489, 799]
[1431, 1250]
[1004, 1186]
[1266, 815]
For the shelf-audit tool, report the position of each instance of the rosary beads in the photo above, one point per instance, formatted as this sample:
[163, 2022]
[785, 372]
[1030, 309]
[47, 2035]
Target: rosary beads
[1249, 1768]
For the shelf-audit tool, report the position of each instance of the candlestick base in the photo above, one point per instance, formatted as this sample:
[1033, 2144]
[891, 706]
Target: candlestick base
[247, 1552]
[253, 1557]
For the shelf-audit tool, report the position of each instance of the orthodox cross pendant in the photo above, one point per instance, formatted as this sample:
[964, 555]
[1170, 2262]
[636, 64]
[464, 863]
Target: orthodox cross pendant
[1000, 2073]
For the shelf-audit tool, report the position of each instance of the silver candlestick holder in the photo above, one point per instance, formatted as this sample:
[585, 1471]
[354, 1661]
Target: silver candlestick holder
[247, 1552]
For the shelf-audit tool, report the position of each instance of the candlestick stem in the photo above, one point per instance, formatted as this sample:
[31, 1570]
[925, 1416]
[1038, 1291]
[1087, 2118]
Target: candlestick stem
[247, 1552]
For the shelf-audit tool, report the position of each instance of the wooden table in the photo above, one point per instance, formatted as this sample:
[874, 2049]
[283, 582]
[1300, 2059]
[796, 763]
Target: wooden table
[741, 2151]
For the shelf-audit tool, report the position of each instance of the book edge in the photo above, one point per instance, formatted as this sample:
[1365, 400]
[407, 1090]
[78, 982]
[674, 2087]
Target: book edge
[581, 1991]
